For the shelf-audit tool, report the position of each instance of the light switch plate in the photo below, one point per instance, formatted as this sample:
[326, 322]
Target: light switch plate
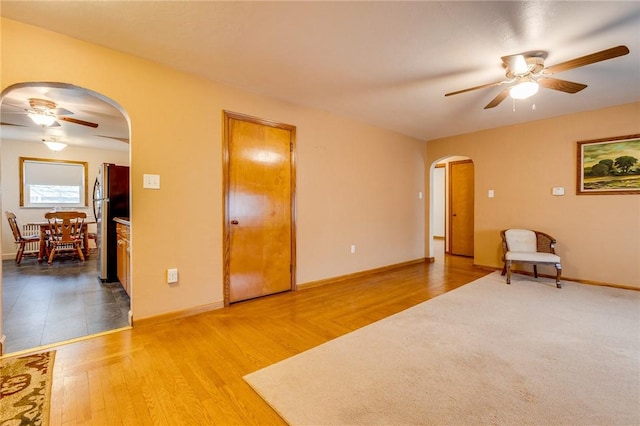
[172, 275]
[151, 181]
[558, 190]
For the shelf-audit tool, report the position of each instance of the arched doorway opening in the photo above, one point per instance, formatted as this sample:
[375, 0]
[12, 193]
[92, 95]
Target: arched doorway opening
[44, 304]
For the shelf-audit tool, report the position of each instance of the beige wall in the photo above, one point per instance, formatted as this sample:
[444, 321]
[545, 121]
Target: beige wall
[356, 184]
[598, 235]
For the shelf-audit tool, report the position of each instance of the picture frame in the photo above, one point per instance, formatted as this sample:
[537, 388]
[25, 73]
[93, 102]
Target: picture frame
[609, 166]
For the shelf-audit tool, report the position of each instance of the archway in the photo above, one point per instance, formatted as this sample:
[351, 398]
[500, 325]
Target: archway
[441, 214]
[95, 130]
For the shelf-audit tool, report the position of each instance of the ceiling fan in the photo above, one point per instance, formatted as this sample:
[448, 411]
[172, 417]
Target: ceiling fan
[45, 113]
[526, 72]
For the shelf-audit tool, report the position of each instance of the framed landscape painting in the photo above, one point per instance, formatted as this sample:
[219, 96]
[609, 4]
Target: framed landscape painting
[609, 166]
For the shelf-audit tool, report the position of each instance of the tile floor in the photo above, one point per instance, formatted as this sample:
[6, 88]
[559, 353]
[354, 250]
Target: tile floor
[43, 304]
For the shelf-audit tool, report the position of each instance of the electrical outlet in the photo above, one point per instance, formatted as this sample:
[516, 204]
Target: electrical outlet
[353, 248]
[172, 276]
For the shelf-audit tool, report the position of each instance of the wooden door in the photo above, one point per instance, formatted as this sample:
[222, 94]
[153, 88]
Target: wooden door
[259, 247]
[461, 207]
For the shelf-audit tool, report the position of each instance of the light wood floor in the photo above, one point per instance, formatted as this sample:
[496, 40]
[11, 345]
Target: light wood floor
[189, 371]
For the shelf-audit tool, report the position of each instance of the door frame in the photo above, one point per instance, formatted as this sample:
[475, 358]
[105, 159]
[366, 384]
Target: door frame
[226, 245]
[446, 159]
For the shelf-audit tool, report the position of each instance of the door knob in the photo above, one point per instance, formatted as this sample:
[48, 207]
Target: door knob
[234, 222]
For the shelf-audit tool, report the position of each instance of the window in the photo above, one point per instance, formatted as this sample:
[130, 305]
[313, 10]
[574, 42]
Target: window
[53, 183]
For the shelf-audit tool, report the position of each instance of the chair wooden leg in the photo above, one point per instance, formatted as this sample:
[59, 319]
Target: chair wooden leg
[507, 266]
[20, 253]
[80, 254]
[53, 253]
[504, 268]
[535, 271]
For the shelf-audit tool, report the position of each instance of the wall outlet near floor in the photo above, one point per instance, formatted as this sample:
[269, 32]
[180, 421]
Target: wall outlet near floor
[353, 248]
[172, 275]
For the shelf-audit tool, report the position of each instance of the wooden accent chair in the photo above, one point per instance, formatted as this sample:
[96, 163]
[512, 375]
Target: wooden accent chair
[20, 240]
[65, 229]
[530, 247]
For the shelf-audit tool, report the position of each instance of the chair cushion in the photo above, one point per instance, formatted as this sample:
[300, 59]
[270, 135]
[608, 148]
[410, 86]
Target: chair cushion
[521, 240]
[536, 257]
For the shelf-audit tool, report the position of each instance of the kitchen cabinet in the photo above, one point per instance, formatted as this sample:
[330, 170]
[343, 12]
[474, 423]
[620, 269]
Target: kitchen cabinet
[123, 251]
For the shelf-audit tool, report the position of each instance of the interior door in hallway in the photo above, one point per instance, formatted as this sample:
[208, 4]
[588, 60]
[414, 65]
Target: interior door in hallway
[259, 246]
[461, 207]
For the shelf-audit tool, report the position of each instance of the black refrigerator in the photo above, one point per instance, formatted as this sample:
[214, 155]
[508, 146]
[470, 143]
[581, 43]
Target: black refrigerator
[110, 200]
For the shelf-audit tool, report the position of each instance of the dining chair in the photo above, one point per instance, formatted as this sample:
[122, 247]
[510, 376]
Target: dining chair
[20, 240]
[65, 230]
[529, 247]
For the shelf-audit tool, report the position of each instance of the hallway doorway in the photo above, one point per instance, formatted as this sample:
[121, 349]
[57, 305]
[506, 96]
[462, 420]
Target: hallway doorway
[452, 206]
[41, 303]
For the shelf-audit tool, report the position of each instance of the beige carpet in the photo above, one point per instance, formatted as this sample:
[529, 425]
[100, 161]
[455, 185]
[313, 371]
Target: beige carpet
[25, 389]
[485, 353]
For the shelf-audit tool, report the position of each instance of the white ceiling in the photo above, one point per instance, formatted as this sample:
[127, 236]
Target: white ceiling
[385, 63]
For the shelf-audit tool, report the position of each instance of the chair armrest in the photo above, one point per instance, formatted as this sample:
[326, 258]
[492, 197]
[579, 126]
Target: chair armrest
[545, 242]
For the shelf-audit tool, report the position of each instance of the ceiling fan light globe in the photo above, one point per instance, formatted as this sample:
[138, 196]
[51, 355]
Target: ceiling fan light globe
[55, 146]
[42, 119]
[524, 90]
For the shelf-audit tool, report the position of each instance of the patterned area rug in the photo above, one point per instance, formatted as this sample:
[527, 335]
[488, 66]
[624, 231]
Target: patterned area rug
[25, 389]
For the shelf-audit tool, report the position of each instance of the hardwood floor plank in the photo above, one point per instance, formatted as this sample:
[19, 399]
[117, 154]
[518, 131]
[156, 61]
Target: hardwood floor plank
[96, 397]
[141, 390]
[189, 371]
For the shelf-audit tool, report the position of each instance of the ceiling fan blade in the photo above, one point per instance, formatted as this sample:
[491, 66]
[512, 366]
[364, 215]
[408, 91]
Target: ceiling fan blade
[603, 55]
[475, 88]
[23, 112]
[62, 111]
[22, 109]
[11, 124]
[77, 121]
[498, 99]
[125, 140]
[561, 85]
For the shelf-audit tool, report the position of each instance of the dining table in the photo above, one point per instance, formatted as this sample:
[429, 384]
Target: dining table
[44, 229]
